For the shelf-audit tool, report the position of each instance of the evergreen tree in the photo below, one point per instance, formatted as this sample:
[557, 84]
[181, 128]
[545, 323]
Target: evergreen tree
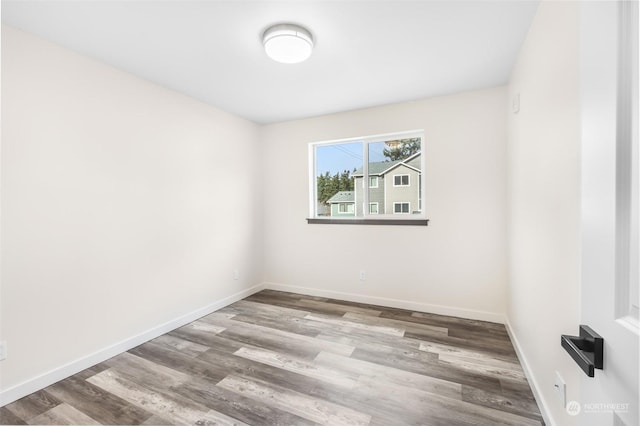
[328, 185]
[403, 148]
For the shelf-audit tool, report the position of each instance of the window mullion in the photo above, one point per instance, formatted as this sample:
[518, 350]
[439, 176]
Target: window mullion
[365, 180]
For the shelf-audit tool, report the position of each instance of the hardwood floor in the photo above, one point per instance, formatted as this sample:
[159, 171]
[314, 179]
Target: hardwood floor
[279, 358]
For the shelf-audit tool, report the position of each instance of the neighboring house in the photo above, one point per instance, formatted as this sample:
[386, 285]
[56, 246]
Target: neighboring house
[342, 204]
[394, 187]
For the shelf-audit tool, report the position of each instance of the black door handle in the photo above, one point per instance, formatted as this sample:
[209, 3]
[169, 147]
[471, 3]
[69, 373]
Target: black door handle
[587, 350]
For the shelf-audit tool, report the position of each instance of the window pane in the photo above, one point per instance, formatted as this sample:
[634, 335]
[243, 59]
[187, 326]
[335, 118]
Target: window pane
[396, 164]
[377, 164]
[401, 208]
[336, 165]
[392, 184]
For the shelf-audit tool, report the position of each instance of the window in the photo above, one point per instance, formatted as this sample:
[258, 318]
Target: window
[372, 177]
[345, 208]
[401, 208]
[401, 180]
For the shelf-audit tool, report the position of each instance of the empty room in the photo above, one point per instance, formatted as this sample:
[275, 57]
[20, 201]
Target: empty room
[319, 213]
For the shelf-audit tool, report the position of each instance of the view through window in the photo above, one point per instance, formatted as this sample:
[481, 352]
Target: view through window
[375, 176]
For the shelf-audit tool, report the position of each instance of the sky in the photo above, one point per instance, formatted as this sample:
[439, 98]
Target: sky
[337, 158]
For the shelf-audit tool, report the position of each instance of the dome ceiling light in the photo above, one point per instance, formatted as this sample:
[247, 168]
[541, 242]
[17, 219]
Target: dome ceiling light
[287, 43]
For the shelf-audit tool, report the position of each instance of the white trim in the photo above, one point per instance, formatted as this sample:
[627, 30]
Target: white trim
[366, 141]
[626, 280]
[392, 303]
[404, 162]
[528, 372]
[374, 138]
[377, 208]
[401, 202]
[365, 178]
[313, 184]
[30, 386]
[408, 180]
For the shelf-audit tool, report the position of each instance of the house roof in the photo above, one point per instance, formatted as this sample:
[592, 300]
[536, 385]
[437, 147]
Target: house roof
[342, 197]
[381, 167]
[376, 168]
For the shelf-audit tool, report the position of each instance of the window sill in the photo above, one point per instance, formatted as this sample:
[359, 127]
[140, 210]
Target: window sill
[410, 222]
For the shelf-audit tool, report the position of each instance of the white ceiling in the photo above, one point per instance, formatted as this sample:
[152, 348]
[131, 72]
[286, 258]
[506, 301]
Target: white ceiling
[367, 53]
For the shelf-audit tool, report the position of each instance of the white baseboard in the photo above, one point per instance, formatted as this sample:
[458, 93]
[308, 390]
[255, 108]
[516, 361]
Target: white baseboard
[533, 383]
[46, 379]
[392, 303]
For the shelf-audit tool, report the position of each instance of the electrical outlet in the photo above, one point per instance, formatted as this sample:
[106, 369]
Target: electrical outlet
[236, 274]
[561, 389]
[363, 276]
[3, 350]
[515, 104]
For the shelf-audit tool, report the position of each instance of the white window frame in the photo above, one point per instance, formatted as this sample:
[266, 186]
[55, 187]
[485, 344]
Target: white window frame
[377, 208]
[400, 176]
[366, 140]
[377, 178]
[400, 203]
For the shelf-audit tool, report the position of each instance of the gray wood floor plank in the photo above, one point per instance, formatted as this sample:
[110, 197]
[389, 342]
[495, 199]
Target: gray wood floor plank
[175, 361]
[292, 324]
[185, 346]
[96, 403]
[362, 338]
[8, 418]
[389, 374]
[492, 346]
[390, 322]
[63, 414]
[85, 374]
[158, 378]
[270, 338]
[203, 339]
[316, 410]
[33, 405]
[449, 372]
[338, 309]
[490, 369]
[288, 359]
[241, 407]
[434, 406]
[299, 366]
[173, 408]
[450, 321]
[488, 358]
[249, 307]
[357, 325]
[157, 421]
[510, 404]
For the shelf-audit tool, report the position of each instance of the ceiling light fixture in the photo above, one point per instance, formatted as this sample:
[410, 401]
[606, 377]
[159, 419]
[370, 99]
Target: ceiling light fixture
[287, 43]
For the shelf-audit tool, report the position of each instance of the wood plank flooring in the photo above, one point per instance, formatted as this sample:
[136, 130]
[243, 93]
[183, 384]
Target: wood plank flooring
[279, 358]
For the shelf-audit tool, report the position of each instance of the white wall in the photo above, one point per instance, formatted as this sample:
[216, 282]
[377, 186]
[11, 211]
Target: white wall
[544, 203]
[456, 265]
[124, 206]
